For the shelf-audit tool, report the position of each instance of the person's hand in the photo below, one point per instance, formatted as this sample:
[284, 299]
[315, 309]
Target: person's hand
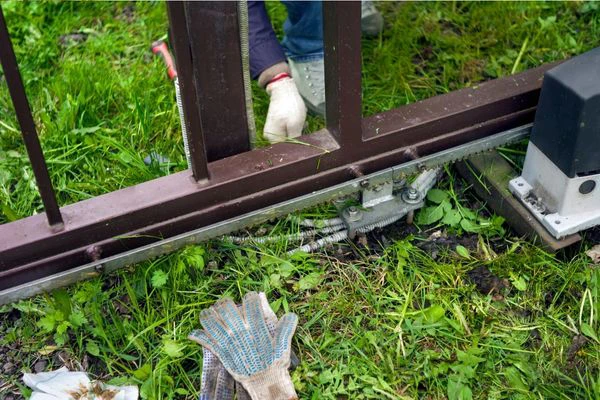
[287, 112]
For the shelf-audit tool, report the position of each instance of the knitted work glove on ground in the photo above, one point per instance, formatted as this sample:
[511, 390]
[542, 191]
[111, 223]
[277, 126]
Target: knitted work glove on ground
[217, 384]
[242, 342]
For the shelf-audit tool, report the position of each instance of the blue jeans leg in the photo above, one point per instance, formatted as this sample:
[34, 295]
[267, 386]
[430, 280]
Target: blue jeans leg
[303, 28]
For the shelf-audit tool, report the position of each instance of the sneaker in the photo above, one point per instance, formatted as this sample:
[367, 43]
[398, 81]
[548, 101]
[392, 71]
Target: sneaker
[371, 20]
[309, 77]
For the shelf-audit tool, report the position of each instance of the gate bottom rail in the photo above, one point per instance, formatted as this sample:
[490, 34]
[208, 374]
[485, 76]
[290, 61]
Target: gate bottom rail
[164, 246]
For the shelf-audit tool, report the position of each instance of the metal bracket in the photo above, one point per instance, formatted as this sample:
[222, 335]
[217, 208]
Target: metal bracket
[381, 207]
[379, 193]
[558, 225]
[489, 175]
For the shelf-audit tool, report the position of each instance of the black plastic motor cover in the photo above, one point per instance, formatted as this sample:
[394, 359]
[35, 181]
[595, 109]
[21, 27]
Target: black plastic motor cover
[567, 121]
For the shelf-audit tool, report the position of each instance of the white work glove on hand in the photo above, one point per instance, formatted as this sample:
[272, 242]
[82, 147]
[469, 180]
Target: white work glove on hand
[287, 112]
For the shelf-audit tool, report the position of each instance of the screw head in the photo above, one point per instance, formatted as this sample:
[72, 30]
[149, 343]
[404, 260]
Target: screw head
[340, 200]
[352, 213]
[412, 193]
[93, 252]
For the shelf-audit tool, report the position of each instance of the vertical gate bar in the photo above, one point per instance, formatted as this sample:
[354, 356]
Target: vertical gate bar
[28, 131]
[214, 32]
[183, 58]
[341, 36]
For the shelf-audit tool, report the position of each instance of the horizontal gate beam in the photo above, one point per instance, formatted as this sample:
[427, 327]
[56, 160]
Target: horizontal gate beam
[254, 217]
[164, 207]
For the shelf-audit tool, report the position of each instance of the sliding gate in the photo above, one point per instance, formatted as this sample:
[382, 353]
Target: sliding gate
[229, 185]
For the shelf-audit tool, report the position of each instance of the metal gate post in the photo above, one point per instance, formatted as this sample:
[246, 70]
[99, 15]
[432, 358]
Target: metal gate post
[341, 35]
[28, 131]
[181, 46]
[214, 36]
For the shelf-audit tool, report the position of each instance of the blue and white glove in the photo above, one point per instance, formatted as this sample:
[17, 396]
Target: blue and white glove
[216, 382]
[242, 342]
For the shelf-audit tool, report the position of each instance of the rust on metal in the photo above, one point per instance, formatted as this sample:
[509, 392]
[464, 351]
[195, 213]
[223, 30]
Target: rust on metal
[93, 252]
[412, 153]
[355, 171]
[28, 131]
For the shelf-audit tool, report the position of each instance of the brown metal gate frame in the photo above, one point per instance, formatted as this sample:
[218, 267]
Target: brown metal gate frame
[232, 181]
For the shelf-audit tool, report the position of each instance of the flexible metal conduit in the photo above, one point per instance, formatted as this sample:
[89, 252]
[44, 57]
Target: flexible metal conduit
[245, 49]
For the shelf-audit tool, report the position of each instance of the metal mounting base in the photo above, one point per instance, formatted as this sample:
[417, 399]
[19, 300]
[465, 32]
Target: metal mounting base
[562, 204]
[489, 175]
[558, 225]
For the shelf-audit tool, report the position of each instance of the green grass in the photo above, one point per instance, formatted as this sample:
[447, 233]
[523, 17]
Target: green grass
[101, 105]
[385, 324]
[397, 319]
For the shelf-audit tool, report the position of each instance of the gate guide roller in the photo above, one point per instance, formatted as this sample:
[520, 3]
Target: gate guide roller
[560, 182]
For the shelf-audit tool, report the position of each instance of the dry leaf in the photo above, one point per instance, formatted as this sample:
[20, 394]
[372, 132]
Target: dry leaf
[594, 254]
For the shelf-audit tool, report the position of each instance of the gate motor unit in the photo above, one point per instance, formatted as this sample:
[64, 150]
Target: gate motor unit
[560, 182]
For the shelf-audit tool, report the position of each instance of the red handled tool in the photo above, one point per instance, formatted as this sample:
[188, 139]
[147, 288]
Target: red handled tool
[161, 49]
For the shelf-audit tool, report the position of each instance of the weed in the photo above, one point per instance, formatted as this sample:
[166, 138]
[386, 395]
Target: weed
[445, 208]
